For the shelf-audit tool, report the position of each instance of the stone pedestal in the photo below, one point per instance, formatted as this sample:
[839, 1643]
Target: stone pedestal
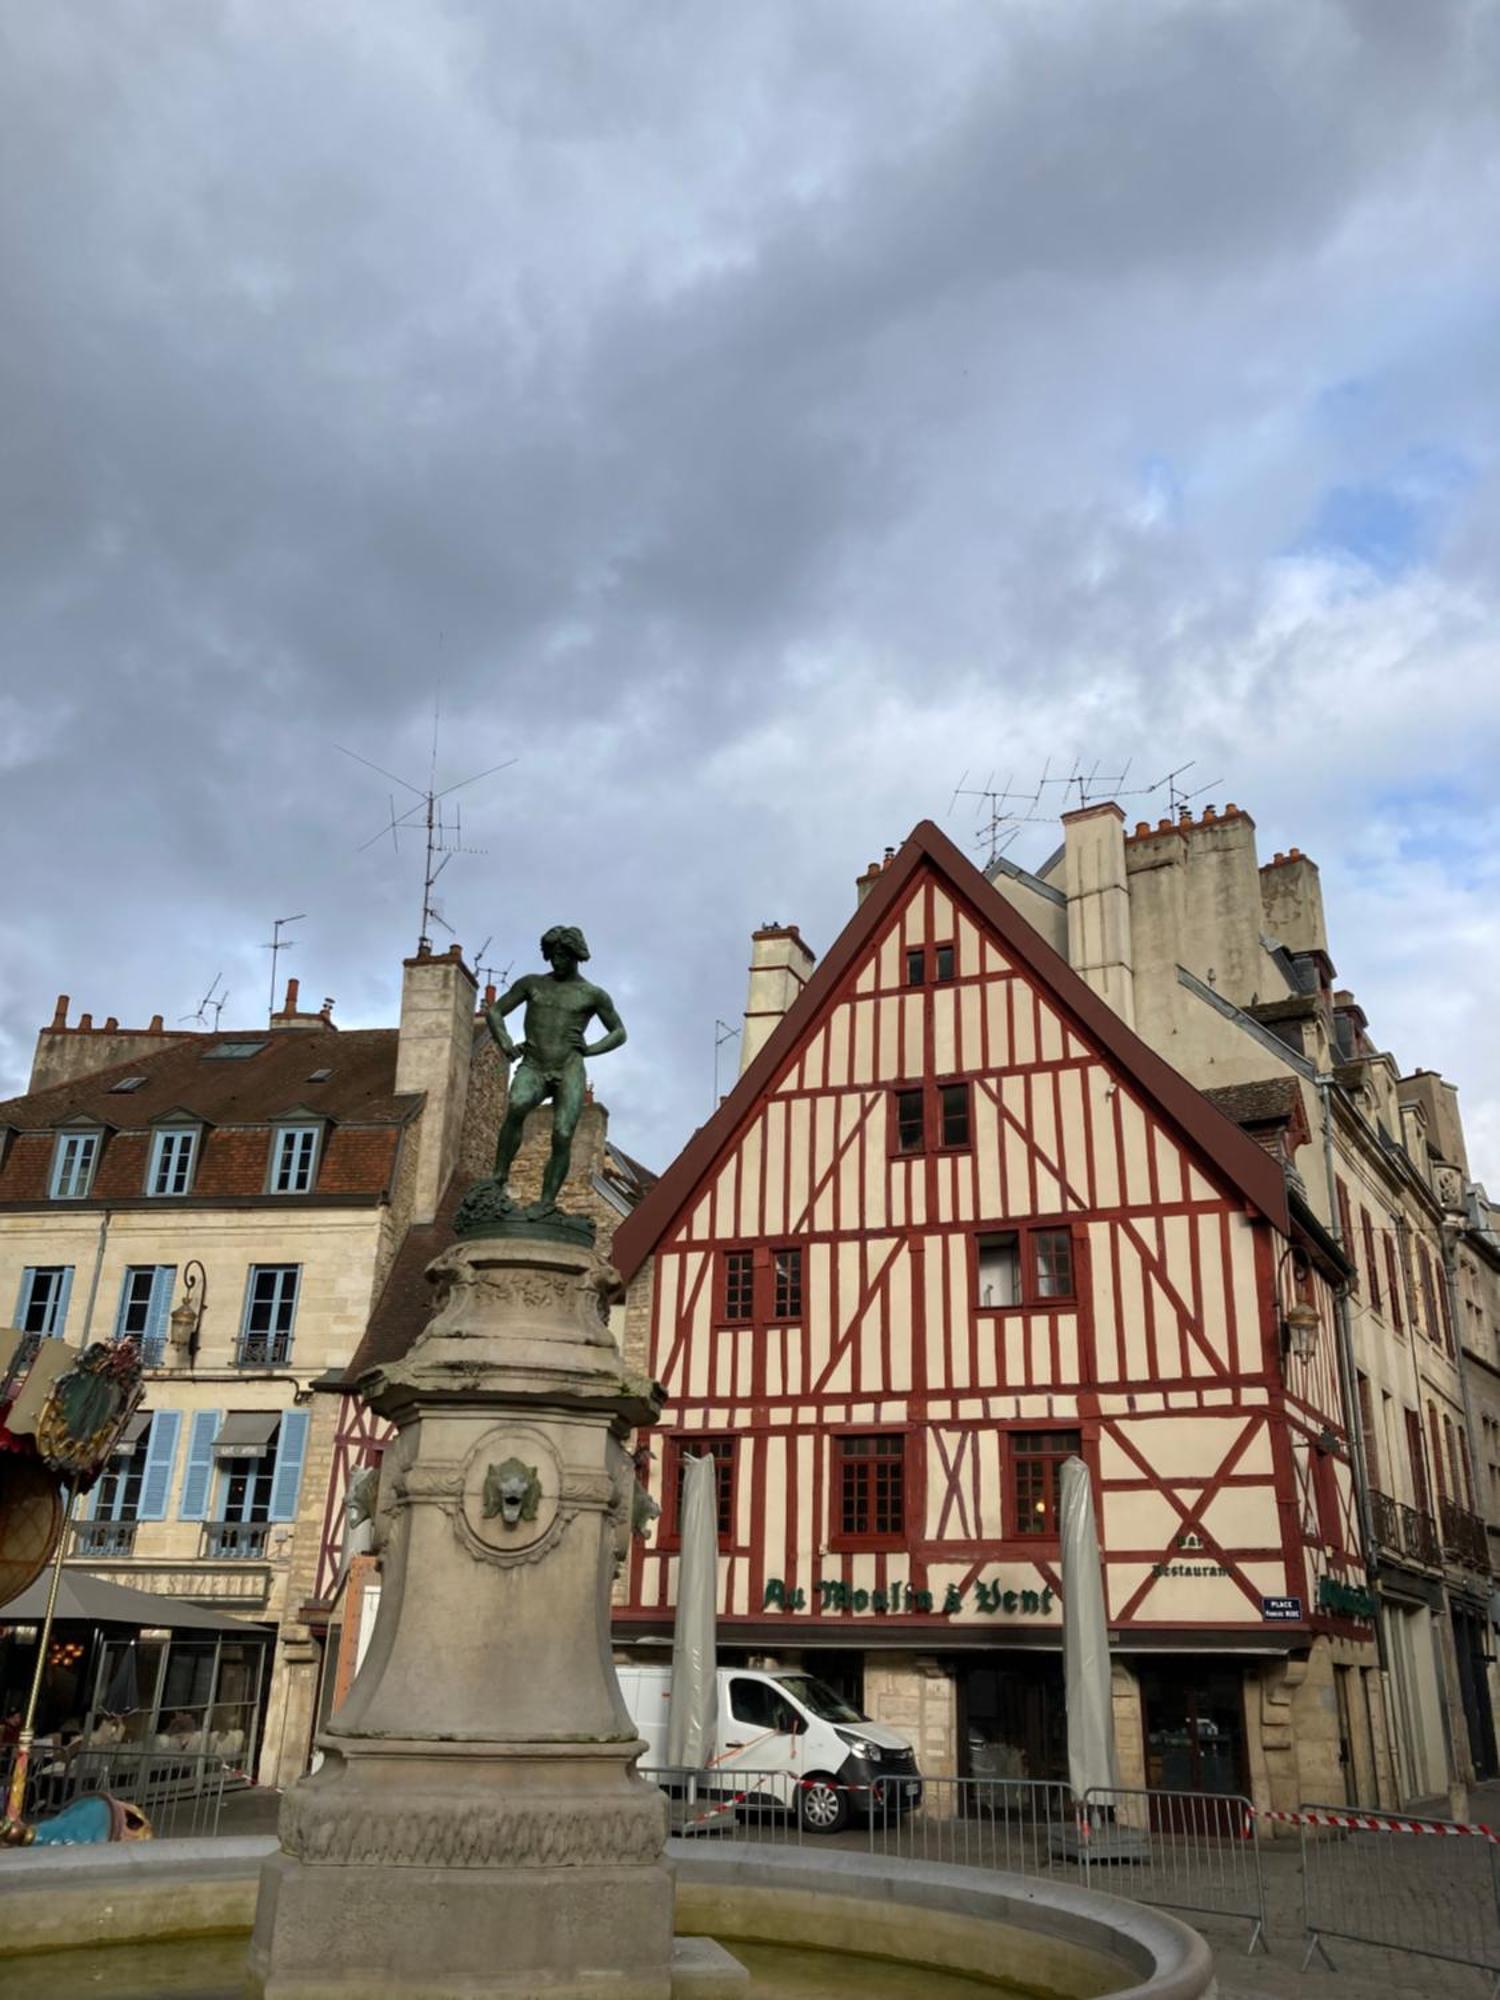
[477, 1826]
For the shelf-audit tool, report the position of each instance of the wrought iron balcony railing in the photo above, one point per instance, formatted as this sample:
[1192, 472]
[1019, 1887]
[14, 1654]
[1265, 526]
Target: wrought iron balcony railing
[1465, 1535]
[1420, 1534]
[235, 1540]
[1385, 1518]
[265, 1350]
[103, 1538]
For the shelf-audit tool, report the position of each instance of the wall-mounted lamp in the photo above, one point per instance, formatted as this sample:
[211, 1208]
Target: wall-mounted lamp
[1299, 1326]
[187, 1314]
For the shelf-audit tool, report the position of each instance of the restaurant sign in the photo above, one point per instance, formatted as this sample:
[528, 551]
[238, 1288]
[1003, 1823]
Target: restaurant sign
[899, 1599]
[1345, 1600]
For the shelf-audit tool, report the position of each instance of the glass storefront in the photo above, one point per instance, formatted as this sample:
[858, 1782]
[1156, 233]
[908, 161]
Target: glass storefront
[1195, 1726]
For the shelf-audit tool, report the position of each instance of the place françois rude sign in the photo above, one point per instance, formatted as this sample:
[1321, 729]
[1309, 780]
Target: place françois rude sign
[899, 1599]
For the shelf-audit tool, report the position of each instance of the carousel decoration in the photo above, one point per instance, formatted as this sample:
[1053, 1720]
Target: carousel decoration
[71, 1437]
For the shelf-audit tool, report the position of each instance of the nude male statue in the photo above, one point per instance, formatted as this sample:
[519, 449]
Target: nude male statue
[559, 1006]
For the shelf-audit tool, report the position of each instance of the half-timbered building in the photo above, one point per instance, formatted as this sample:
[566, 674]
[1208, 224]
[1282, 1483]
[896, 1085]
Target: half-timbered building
[956, 1223]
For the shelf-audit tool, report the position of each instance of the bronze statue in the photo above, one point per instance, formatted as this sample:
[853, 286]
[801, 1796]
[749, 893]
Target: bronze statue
[559, 1006]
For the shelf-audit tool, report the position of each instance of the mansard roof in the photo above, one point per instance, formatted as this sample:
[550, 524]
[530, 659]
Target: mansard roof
[1238, 1160]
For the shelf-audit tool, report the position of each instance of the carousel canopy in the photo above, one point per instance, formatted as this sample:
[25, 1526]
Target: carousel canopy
[83, 1599]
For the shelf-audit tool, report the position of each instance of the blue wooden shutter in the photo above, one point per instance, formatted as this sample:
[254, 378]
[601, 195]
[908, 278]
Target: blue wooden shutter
[200, 1465]
[64, 1292]
[23, 1297]
[161, 1456]
[156, 1312]
[291, 1449]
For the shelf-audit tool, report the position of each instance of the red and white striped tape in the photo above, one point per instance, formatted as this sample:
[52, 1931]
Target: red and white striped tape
[1447, 1829]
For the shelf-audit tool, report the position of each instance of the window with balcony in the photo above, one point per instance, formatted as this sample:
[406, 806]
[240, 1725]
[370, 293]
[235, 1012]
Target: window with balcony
[134, 1486]
[244, 1472]
[145, 1301]
[869, 1484]
[294, 1159]
[74, 1158]
[270, 1312]
[172, 1153]
[42, 1307]
[1036, 1462]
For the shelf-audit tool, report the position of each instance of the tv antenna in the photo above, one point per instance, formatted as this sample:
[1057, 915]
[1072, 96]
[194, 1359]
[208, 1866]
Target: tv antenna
[210, 999]
[277, 944]
[723, 1033]
[444, 831]
[1002, 812]
[1178, 796]
[488, 975]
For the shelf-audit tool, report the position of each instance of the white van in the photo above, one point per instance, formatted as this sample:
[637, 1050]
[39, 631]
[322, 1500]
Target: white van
[793, 1740]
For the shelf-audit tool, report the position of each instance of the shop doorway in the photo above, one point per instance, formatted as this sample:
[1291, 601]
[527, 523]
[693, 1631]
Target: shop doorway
[1012, 1717]
[1473, 1684]
[1195, 1727]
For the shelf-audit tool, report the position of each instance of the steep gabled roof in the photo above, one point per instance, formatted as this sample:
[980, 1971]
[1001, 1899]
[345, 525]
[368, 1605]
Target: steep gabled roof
[1236, 1157]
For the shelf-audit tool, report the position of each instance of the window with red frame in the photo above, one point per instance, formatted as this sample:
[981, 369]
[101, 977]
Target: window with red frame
[739, 1284]
[870, 1484]
[1036, 1463]
[761, 1284]
[786, 1289]
[930, 1118]
[1024, 1267]
[721, 1451]
[1370, 1265]
[928, 962]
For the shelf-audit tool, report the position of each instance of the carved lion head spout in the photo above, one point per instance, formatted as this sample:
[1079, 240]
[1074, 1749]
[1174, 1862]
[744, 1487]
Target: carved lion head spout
[512, 1492]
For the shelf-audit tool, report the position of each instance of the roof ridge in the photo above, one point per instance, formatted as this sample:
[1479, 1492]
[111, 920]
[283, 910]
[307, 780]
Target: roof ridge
[1236, 1155]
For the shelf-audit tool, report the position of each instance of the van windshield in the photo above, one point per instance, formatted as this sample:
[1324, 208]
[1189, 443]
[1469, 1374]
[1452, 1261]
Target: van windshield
[819, 1700]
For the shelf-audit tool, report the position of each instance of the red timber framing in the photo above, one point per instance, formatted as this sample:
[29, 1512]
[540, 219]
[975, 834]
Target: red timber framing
[359, 1439]
[1105, 1258]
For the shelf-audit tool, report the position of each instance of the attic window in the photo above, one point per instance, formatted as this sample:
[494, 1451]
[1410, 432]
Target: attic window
[127, 1083]
[232, 1051]
[320, 1076]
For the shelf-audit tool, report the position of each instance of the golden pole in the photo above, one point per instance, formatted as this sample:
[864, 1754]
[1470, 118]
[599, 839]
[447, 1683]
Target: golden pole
[16, 1797]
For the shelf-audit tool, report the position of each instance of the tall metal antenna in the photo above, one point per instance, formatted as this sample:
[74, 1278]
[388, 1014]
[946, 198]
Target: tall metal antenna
[1004, 813]
[490, 975]
[444, 835]
[210, 999]
[276, 946]
[722, 1033]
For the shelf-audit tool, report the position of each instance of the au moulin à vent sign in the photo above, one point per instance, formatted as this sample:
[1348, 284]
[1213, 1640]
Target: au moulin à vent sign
[898, 1599]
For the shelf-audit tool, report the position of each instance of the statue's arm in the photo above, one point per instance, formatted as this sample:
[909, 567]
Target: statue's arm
[494, 1016]
[604, 1008]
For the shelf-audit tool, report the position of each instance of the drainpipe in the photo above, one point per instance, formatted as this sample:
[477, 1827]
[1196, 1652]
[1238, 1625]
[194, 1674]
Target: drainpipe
[88, 1311]
[1348, 1387]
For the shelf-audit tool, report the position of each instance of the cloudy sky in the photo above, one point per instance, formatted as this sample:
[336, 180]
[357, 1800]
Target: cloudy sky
[750, 420]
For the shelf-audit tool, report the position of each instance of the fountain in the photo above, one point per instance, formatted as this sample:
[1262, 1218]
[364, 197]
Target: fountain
[477, 1825]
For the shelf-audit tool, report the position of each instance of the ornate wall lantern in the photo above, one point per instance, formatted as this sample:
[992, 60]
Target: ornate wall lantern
[1299, 1330]
[188, 1312]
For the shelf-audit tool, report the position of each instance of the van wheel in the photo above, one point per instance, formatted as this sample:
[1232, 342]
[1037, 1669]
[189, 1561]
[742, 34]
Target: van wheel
[821, 1806]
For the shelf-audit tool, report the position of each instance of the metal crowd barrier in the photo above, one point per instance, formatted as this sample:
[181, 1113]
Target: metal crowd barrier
[1192, 1851]
[1430, 1887]
[181, 1793]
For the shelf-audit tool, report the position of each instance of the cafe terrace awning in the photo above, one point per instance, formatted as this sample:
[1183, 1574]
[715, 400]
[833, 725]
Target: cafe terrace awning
[83, 1599]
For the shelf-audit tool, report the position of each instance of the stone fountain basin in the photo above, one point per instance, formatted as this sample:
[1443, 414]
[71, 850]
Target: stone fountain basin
[1042, 1936]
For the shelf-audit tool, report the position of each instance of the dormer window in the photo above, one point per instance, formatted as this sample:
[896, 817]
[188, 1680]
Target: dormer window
[74, 1158]
[173, 1152]
[294, 1158]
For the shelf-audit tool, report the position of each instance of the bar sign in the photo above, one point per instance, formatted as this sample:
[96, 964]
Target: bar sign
[1281, 1608]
